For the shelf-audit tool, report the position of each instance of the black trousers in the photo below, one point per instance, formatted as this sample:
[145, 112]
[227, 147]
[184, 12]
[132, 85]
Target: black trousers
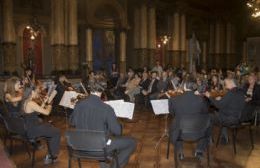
[125, 147]
[50, 132]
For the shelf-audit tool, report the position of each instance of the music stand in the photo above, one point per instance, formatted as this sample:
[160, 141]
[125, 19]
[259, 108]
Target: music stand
[165, 134]
[161, 107]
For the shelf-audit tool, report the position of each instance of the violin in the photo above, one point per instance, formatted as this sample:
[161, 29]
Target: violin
[217, 93]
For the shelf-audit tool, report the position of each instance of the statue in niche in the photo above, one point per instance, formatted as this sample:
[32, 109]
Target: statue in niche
[194, 53]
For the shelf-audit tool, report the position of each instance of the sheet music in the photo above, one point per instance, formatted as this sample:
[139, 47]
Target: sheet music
[160, 106]
[66, 99]
[122, 109]
[52, 95]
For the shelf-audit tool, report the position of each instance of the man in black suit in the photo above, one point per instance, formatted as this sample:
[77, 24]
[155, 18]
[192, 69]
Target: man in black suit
[93, 114]
[229, 107]
[152, 90]
[187, 105]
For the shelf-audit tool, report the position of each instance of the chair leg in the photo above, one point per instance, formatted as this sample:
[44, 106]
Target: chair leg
[27, 149]
[175, 157]
[234, 133]
[33, 154]
[208, 159]
[79, 163]
[69, 162]
[219, 135]
[251, 137]
[168, 148]
[11, 146]
[116, 160]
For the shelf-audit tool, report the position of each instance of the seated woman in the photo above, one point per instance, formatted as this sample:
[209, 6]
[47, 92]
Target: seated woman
[35, 127]
[13, 96]
[215, 84]
[132, 87]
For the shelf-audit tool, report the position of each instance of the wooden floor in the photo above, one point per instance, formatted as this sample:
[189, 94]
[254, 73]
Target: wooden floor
[147, 129]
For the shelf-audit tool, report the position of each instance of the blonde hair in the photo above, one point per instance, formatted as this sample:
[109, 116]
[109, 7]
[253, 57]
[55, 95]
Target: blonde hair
[9, 86]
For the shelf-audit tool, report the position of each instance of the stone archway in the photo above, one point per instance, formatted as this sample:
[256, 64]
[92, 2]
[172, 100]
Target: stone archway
[108, 23]
[31, 51]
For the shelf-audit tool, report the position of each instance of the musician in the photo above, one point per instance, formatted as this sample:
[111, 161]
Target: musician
[63, 84]
[93, 114]
[36, 128]
[13, 96]
[187, 105]
[163, 85]
[229, 107]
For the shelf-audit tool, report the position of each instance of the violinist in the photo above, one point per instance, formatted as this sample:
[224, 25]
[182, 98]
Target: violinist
[13, 96]
[229, 107]
[62, 85]
[36, 128]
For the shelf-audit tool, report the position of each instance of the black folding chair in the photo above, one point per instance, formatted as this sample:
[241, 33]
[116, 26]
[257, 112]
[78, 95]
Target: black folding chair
[195, 125]
[234, 128]
[90, 145]
[16, 130]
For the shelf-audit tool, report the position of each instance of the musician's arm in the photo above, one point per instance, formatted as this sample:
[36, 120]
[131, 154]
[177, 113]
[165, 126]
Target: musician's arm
[37, 108]
[12, 99]
[222, 103]
[113, 125]
[171, 106]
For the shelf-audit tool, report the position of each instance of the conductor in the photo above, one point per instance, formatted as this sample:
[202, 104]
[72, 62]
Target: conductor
[93, 114]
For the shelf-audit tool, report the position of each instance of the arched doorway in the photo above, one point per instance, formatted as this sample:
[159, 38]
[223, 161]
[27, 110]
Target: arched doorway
[105, 37]
[32, 51]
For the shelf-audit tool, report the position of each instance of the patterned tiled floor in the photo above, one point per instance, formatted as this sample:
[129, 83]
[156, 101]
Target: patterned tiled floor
[147, 129]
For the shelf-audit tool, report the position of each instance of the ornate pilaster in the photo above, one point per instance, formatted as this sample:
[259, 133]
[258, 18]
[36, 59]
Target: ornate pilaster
[9, 46]
[151, 36]
[228, 43]
[9, 52]
[211, 58]
[73, 36]
[175, 54]
[142, 54]
[59, 57]
[183, 40]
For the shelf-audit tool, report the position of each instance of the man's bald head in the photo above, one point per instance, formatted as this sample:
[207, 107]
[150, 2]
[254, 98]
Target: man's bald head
[230, 83]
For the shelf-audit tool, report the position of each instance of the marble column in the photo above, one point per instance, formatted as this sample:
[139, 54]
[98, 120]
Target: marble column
[73, 36]
[204, 54]
[122, 50]
[176, 40]
[151, 35]
[89, 48]
[137, 36]
[234, 59]
[222, 48]
[58, 46]
[228, 44]
[183, 40]
[217, 44]
[9, 39]
[143, 35]
[211, 55]
[244, 57]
